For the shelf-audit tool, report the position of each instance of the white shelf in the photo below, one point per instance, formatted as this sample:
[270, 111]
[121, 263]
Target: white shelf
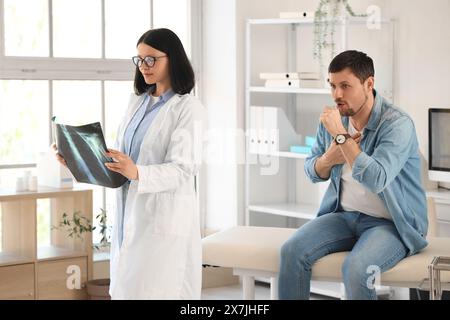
[310, 21]
[281, 21]
[283, 154]
[42, 192]
[295, 210]
[287, 154]
[290, 90]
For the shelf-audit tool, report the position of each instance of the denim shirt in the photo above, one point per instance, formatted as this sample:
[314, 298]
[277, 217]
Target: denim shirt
[389, 165]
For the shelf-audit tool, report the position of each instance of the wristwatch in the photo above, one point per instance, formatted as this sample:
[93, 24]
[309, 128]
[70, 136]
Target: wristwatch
[341, 138]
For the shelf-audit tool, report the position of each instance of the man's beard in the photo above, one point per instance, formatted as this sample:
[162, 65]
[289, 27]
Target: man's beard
[350, 112]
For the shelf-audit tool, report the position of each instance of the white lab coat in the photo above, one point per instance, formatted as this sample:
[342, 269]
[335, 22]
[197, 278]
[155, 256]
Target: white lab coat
[160, 256]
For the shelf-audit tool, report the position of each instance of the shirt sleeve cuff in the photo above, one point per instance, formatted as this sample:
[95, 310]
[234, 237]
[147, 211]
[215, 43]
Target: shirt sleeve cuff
[360, 164]
[312, 172]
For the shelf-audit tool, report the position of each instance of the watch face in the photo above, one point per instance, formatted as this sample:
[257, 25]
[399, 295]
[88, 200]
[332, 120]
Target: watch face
[340, 138]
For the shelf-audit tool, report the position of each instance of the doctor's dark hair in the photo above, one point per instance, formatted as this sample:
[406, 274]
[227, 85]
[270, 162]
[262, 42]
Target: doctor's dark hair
[359, 63]
[181, 74]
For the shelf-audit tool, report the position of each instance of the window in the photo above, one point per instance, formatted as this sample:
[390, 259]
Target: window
[24, 114]
[71, 59]
[77, 22]
[26, 28]
[124, 24]
[175, 20]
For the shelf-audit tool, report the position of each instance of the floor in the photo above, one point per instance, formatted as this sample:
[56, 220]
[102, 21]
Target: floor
[234, 292]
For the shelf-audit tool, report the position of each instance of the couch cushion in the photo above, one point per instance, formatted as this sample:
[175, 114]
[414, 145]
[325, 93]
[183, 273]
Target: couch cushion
[258, 248]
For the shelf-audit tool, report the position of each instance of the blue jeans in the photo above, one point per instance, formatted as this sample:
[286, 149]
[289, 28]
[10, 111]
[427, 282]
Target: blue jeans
[371, 242]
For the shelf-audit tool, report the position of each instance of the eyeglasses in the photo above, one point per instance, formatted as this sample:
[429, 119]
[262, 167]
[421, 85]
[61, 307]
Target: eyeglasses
[149, 60]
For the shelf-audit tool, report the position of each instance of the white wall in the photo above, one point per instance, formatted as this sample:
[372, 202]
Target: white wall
[422, 75]
[219, 97]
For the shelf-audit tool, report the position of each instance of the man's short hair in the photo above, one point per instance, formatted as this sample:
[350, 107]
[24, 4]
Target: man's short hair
[360, 64]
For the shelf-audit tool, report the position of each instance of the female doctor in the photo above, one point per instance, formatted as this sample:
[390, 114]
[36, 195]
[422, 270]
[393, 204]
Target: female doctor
[156, 243]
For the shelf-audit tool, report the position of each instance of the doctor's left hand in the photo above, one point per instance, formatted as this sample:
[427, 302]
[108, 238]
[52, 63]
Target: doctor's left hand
[123, 164]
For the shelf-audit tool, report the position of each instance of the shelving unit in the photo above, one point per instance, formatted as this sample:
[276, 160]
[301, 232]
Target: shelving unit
[289, 193]
[33, 270]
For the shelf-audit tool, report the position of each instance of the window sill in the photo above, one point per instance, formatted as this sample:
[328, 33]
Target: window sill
[100, 255]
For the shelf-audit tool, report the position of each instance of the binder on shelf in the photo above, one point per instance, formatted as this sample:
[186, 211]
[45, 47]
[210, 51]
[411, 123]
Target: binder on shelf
[306, 15]
[279, 75]
[271, 136]
[293, 79]
[260, 134]
[309, 75]
[282, 83]
[306, 75]
[272, 130]
[256, 133]
[299, 83]
[252, 132]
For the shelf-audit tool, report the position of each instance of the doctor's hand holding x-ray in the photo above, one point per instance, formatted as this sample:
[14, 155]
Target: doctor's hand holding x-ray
[122, 164]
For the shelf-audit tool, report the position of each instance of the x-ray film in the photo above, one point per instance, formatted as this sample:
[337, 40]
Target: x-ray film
[83, 148]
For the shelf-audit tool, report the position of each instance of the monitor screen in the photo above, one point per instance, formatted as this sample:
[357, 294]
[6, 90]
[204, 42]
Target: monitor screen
[439, 139]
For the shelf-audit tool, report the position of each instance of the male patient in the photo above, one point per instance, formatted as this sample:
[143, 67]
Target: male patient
[375, 206]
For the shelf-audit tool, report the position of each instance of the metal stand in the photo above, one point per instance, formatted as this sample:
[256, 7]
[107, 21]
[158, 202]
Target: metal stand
[437, 265]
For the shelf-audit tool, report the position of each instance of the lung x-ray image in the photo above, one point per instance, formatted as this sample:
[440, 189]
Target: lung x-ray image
[83, 148]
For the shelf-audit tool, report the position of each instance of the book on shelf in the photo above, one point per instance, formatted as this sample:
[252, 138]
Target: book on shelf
[306, 15]
[310, 75]
[279, 75]
[282, 83]
[298, 83]
[289, 75]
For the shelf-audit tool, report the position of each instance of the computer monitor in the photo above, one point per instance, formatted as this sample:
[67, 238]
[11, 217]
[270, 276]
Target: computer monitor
[439, 145]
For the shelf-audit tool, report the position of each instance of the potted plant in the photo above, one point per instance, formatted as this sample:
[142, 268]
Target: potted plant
[326, 16]
[98, 289]
[75, 226]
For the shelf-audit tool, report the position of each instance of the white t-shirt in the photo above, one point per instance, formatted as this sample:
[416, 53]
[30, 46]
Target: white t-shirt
[356, 197]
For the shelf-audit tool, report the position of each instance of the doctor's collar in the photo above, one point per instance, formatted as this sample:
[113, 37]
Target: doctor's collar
[165, 96]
